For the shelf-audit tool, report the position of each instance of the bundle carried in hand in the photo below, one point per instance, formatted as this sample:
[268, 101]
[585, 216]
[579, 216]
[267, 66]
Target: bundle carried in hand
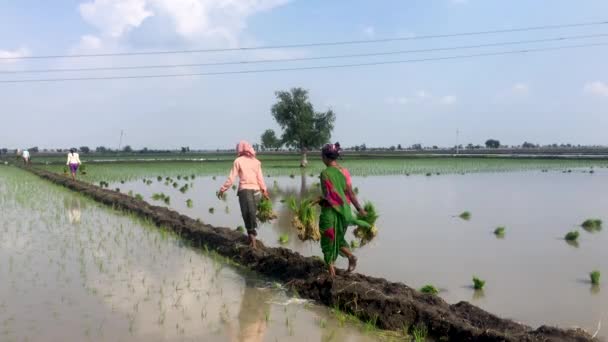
[364, 233]
[265, 212]
[304, 219]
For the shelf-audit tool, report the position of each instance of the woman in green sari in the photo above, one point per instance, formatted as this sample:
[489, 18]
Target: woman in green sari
[336, 213]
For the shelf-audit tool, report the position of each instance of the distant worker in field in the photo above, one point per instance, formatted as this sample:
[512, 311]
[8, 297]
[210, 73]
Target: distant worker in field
[251, 186]
[26, 157]
[336, 213]
[73, 162]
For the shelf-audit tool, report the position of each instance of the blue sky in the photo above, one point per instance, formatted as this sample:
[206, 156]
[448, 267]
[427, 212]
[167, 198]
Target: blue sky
[547, 97]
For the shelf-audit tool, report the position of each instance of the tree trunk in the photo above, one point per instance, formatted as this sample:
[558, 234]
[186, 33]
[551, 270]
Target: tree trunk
[303, 187]
[304, 161]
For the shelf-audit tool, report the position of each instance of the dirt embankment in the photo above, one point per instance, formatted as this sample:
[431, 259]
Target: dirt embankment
[393, 306]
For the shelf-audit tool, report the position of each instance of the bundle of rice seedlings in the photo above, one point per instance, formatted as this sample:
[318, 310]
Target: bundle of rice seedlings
[465, 216]
[592, 225]
[571, 236]
[189, 203]
[65, 170]
[283, 239]
[595, 277]
[478, 284]
[240, 229]
[429, 289]
[83, 169]
[364, 233]
[304, 219]
[265, 212]
[159, 178]
[139, 197]
[499, 232]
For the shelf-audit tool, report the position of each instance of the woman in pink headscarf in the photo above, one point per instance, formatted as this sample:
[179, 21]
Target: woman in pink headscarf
[251, 186]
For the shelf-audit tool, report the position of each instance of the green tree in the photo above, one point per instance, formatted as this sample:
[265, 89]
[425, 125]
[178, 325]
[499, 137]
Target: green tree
[270, 140]
[127, 149]
[492, 143]
[84, 149]
[303, 128]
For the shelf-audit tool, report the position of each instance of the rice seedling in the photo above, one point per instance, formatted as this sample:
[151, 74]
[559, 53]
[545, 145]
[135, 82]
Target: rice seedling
[122, 181]
[183, 189]
[240, 229]
[211, 210]
[265, 212]
[189, 203]
[283, 239]
[234, 187]
[592, 225]
[175, 185]
[429, 289]
[465, 215]
[214, 177]
[159, 178]
[428, 174]
[478, 284]
[571, 236]
[158, 196]
[117, 189]
[227, 210]
[499, 232]
[595, 277]
[304, 219]
[292, 176]
[364, 233]
[356, 190]
[179, 177]
[139, 197]
[148, 182]
[167, 200]
[420, 332]
[65, 170]
[223, 196]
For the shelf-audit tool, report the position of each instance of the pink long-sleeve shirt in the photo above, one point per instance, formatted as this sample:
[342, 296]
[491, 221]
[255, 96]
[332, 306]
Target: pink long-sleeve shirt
[249, 171]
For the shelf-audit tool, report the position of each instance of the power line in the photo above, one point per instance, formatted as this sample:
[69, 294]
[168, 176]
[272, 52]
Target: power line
[165, 66]
[514, 52]
[335, 43]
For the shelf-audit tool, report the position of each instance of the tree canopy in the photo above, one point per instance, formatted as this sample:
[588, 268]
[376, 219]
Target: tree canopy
[270, 140]
[303, 128]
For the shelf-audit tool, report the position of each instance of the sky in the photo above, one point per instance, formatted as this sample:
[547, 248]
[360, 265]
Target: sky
[558, 96]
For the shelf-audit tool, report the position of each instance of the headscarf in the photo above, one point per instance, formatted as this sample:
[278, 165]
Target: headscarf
[244, 148]
[331, 151]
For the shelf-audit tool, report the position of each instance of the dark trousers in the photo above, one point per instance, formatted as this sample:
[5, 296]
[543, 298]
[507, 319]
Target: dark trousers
[248, 200]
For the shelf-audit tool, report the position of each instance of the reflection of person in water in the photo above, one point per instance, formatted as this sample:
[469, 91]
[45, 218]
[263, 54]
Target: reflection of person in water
[73, 207]
[252, 315]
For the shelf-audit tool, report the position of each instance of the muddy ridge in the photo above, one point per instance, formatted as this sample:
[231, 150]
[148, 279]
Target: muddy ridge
[393, 306]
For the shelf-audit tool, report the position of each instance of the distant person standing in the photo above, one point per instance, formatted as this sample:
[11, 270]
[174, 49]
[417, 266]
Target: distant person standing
[26, 157]
[73, 162]
[251, 186]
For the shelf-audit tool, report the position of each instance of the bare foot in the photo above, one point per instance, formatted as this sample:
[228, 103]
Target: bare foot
[252, 242]
[352, 263]
[332, 271]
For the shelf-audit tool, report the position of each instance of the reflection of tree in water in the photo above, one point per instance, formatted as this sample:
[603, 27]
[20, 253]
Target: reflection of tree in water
[73, 206]
[253, 314]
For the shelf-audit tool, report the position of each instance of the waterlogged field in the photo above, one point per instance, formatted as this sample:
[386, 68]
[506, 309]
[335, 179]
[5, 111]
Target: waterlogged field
[273, 166]
[73, 270]
[532, 274]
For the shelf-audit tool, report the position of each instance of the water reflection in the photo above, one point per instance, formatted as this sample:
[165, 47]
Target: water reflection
[253, 314]
[595, 289]
[73, 207]
[478, 295]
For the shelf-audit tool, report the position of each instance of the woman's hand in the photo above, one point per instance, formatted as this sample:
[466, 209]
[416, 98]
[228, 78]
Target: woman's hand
[266, 194]
[362, 212]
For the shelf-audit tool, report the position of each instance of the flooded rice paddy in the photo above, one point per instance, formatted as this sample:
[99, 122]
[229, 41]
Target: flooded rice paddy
[74, 270]
[532, 274]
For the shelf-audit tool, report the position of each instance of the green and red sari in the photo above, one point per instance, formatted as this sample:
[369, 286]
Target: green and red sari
[336, 213]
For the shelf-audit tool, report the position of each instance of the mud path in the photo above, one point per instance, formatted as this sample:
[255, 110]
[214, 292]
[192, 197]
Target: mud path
[393, 306]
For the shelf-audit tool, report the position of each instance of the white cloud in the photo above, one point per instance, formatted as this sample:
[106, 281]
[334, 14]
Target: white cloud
[90, 42]
[115, 17]
[459, 2]
[192, 19]
[369, 31]
[520, 88]
[401, 100]
[448, 100]
[20, 52]
[597, 88]
[422, 94]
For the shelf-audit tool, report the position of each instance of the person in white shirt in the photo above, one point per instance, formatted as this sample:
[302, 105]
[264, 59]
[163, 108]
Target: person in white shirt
[26, 157]
[73, 162]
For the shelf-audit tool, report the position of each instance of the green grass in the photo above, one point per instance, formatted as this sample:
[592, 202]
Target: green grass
[595, 277]
[465, 215]
[420, 333]
[429, 289]
[572, 236]
[478, 284]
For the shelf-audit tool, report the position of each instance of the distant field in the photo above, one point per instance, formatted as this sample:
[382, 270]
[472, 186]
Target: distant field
[358, 165]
